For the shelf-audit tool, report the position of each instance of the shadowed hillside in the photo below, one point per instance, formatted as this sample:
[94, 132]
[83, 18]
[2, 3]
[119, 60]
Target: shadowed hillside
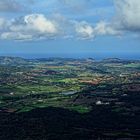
[61, 124]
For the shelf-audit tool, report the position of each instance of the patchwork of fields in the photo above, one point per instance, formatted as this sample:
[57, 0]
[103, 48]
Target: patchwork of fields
[105, 94]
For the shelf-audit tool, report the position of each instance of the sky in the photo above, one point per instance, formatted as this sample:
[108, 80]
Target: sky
[69, 27]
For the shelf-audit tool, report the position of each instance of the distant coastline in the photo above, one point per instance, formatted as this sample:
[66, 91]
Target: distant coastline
[96, 56]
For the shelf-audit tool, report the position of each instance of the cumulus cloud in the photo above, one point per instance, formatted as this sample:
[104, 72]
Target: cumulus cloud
[84, 30]
[38, 26]
[40, 23]
[88, 31]
[2, 23]
[104, 28]
[128, 14]
[16, 36]
[126, 18]
[34, 26]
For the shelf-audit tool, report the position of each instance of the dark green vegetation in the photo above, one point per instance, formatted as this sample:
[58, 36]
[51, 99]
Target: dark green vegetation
[66, 99]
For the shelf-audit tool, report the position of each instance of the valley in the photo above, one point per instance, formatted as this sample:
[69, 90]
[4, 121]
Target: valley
[91, 96]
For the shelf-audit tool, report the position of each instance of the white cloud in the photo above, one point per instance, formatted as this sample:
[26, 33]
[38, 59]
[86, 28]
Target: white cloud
[34, 26]
[40, 23]
[34, 23]
[104, 28]
[16, 36]
[127, 18]
[128, 14]
[38, 26]
[89, 31]
[84, 30]
[2, 23]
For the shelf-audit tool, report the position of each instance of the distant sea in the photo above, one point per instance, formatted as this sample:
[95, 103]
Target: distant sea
[96, 55]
